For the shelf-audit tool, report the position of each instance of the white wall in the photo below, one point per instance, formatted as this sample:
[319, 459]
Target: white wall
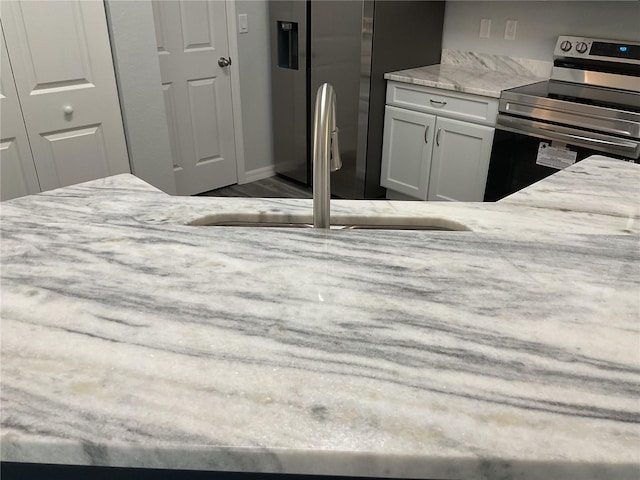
[539, 24]
[133, 43]
[255, 86]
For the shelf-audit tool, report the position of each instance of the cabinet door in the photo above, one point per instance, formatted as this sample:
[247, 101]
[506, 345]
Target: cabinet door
[17, 172]
[406, 151]
[460, 161]
[64, 75]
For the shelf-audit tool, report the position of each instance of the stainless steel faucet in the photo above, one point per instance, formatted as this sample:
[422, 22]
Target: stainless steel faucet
[326, 154]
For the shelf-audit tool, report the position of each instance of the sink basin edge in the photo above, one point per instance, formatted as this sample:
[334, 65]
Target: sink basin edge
[343, 222]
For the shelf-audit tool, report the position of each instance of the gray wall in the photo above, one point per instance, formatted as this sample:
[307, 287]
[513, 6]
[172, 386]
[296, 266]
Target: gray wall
[133, 43]
[539, 24]
[255, 85]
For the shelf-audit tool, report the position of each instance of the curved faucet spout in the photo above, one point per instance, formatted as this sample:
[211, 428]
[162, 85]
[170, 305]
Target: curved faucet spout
[326, 154]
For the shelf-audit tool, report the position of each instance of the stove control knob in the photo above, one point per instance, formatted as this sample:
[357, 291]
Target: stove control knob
[565, 46]
[581, 47]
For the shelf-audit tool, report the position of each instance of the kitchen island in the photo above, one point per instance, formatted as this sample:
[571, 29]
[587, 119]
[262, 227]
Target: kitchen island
[134, 336]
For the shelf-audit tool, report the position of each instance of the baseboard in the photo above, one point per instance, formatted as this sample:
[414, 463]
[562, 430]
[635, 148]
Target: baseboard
[259, 174]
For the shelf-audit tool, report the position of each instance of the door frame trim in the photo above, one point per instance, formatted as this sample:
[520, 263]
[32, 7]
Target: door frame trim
[236, 103]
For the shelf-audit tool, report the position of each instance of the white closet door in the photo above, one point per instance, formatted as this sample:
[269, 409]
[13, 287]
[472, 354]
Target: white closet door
[61, 60]
[191, 38]
[17, 172]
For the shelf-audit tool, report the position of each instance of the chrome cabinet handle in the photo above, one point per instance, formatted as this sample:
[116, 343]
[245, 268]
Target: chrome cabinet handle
[437, 102]
[438, 137]
[426, 131]
[224, 62]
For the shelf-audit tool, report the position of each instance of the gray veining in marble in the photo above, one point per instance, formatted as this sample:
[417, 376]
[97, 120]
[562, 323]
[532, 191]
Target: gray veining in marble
[499, 63]
[509, 351]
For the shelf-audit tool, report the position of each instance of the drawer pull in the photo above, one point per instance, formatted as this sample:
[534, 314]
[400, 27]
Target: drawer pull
[426, 130]
[437, 102]
[438, 137]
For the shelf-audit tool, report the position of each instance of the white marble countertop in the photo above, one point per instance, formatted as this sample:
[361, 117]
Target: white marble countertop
[478, 81]
[508, 351]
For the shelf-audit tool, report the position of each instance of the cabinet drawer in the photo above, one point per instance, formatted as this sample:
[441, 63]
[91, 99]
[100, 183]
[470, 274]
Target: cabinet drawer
[463, 106]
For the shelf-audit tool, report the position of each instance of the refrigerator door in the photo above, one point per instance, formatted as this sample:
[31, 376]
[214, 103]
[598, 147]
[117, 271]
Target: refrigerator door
[289, 73]
[349, 44]
[406, 34]
[336, 31]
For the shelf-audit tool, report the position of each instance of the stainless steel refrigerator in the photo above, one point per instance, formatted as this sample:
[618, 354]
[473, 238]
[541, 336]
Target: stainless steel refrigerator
[350, 44]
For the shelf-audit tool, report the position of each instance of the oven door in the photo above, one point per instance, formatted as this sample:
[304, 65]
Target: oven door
[515, 149]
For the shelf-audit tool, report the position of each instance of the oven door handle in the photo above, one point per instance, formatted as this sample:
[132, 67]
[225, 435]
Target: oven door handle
[565, 134]
[627, 145]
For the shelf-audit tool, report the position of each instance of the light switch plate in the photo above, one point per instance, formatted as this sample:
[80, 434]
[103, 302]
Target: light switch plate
[510, 30]
[485, 28]
[243, 23]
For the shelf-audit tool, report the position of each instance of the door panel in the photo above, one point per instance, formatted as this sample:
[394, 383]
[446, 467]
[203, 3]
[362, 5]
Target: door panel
[203, 106]
[158, 23]
[17, 171]
[191, 36]
[63, 69]
[170, 107]
[71, 68]
[15, 181]
[197, 26]
[86, 142]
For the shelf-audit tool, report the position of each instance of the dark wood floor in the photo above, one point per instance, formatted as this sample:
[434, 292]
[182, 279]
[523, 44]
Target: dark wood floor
[272, 187]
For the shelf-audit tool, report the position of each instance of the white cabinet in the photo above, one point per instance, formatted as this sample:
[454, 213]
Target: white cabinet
[460, 161]
[407, 151]
[437, 143]
[63, 71]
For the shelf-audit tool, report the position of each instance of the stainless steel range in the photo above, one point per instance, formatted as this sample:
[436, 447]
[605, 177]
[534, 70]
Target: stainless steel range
[591, 104]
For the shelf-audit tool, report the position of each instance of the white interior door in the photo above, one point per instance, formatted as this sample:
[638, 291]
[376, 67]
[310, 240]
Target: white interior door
[17, 172]
[191, 38]
[63, 69]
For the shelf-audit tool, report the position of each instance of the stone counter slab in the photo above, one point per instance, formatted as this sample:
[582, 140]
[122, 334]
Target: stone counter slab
[131, 339]
[480, 349]
[477, 81]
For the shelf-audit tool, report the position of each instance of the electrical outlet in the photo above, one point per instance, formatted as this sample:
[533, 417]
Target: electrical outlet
[485, 28]
[510, 30]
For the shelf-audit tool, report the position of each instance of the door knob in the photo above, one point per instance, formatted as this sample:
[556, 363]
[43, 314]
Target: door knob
[68, 110]
[224, 62]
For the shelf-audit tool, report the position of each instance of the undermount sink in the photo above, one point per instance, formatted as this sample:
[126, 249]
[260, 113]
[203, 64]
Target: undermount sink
[338, 223]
